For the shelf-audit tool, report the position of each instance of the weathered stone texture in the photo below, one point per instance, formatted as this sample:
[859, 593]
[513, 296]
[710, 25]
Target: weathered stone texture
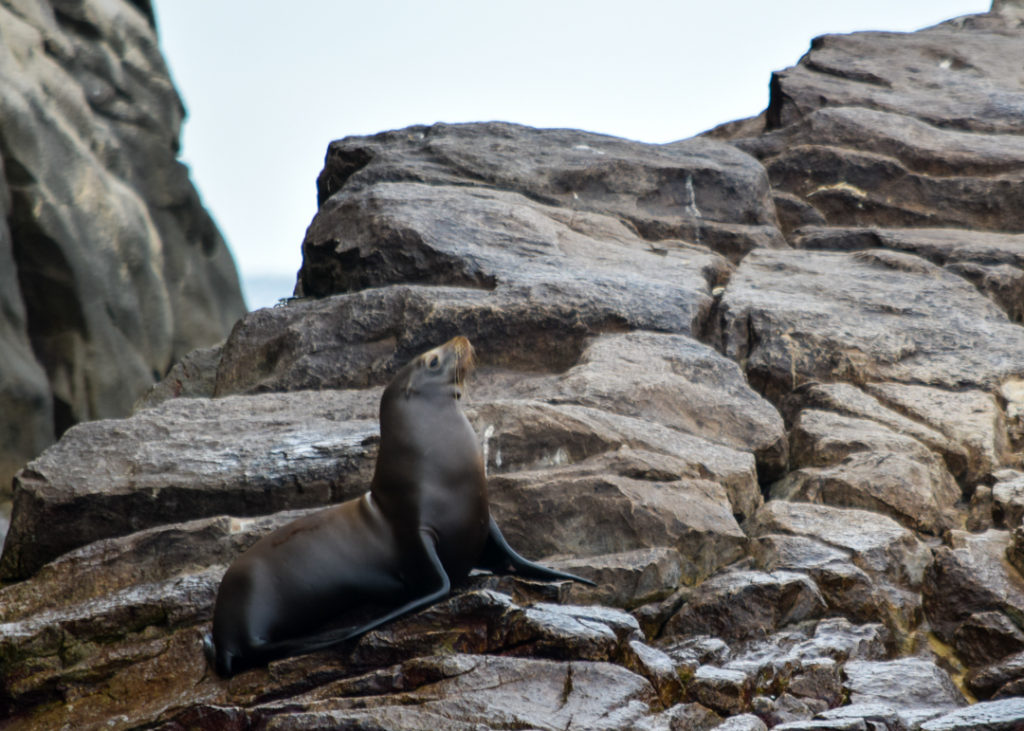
[768, 395]
[112, 268]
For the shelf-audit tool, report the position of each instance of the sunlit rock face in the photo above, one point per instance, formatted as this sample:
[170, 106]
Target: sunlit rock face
[764, 387]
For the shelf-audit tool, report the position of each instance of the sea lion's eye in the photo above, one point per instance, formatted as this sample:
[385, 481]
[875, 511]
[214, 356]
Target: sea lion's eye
[434, 360]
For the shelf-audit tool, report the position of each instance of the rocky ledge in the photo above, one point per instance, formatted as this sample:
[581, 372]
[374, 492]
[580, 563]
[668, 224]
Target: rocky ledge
[765, 387]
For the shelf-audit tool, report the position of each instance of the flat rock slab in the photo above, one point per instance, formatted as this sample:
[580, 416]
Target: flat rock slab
[150, 556]
[531, 434]
[187, 459]
[908, 682]
[676, 381]
[399, 233]
[1003, 715]
[466, 692]
[969, 59]
[592, 509]
[849, 400]
[859, 463]
[791, 317]
[970, 418]
[993, 262]
[699, 190]
[859, 167]
[879, 545]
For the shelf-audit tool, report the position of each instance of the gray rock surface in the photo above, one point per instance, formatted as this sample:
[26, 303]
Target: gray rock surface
[768, 395]
[112, 269]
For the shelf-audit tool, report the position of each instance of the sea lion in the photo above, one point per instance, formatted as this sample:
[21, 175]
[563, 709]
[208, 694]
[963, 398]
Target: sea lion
[343, 571]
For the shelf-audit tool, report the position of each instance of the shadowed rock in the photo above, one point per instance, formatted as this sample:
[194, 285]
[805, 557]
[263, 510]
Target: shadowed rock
[112, 269]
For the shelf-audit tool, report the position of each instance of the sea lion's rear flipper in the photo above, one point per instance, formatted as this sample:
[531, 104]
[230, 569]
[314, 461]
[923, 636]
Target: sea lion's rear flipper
[500, 558]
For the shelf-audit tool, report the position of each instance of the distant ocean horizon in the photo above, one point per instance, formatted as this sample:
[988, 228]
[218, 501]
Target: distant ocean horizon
[266, 290]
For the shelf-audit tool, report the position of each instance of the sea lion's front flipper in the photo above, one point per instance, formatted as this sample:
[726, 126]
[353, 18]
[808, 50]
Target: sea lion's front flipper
[434, 578]
[500, 558]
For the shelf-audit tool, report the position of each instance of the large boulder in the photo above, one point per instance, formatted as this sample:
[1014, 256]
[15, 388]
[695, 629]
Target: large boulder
[697, 190]
[113, 270]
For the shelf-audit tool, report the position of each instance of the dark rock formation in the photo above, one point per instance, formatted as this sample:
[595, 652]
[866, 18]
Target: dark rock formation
[111, 268]
[767, 393]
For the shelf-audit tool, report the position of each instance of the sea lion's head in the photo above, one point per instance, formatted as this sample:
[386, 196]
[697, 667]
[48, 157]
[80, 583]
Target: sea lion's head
[438, 372]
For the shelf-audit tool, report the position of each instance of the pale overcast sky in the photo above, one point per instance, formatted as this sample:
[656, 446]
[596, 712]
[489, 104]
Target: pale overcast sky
[267, 88]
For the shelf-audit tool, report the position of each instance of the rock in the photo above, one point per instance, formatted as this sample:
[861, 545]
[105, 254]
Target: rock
[678, 382]
[688, 716]
[991, 716]
[187, 459]
[843, 724]
[986, 636]
[463, 692]
[113, 269]
[521, 434]
[866, 565]
[88, 643]
[804, 661]
[1008, 499]
[974, 599]
[628, 579]
[659, 670]
[25, 397]
[818, 680]
[878, 716]
[1015, 549]
[968, 417]
[785, 709]
[956, 74]
[689, 653]
[991, 680]
[878, 544]
[741, 604]
[404, 232]
[779, 312]
[693, 389]
[742, 722]
[859, 463]
[698, 190]
[839, 640]
[795, 213]
[907, 682]
[848, 400]
[149, 556]
[587, 509]
[360, 339]
[991, 261]
[194, 376]
[860, 167]
[725, 691]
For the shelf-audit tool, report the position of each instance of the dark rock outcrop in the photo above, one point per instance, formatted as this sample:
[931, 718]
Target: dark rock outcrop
[112, 270]
[768, 394]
